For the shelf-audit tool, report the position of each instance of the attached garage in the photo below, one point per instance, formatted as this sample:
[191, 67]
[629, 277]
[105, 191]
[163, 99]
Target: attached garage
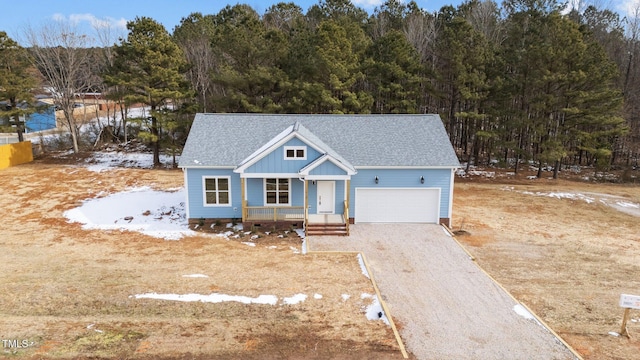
[393, 205]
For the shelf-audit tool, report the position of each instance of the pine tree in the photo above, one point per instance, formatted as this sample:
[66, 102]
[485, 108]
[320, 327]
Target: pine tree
[151, 66]
[16, 83]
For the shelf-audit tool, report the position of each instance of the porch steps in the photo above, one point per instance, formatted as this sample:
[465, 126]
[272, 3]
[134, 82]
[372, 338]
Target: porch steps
[327, 229]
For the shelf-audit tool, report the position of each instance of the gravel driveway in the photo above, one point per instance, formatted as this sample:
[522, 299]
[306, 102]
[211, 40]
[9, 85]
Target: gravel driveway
[445, 306]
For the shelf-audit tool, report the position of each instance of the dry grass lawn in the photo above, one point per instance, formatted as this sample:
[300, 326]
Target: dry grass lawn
[68, 292]
[568, 260]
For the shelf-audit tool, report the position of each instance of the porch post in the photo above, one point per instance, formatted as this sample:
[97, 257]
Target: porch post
[306, 202]
[244, 207]
[348, 193]
[347, 196]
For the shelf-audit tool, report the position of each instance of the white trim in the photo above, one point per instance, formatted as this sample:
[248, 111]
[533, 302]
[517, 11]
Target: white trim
[264, 151]
[204, 191]
[405, 167]
[206, 167]
[328, 177]
[438, 189]
[295, 152]
[186, 190]
[246, 194]
[333, 196]
[264, 192]
[321, 160]
[453, 175]
[269, 175]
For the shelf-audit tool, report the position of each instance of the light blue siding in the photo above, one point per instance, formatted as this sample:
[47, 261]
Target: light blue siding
[409, 178]
[390, 178]
[327, 168]
[275, 162]
[339, 199]
[196, 199]
[255, 192]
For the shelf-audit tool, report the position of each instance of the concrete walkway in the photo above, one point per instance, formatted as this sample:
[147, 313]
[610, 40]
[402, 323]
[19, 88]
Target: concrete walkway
[445, 306]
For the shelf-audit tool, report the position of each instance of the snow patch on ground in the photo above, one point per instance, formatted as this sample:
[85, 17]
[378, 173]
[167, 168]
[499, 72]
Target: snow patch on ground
[522, 311]
[295, 299]
[100, 161]
[374, 311]
[301, 234]
[195, 276]
[363, 268]
[616, 202]
[446, 232]
[155, 213]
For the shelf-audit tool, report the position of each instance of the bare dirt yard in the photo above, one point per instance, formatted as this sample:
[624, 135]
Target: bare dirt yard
[563, 248]
[70, 293]
[566, 249]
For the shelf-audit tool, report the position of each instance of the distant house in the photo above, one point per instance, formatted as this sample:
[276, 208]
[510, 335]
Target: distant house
[318, 171]
[43, 120]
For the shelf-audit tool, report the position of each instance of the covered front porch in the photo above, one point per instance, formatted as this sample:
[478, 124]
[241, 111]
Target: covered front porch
[323, 205]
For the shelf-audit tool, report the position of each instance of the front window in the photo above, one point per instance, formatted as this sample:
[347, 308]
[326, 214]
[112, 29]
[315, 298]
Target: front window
[277, 191]
[216, 191]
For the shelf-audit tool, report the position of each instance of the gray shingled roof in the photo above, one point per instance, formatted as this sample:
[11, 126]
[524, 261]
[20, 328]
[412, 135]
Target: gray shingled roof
[362, 140]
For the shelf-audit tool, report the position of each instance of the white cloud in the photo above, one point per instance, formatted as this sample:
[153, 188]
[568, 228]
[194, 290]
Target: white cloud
[95, 22]
[58, 17]
[367, 4]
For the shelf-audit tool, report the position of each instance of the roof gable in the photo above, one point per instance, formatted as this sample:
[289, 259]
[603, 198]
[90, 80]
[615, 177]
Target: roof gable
[327, 165]
[296, 130]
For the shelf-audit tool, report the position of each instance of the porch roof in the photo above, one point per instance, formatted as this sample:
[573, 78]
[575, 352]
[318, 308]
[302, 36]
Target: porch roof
[347, 168]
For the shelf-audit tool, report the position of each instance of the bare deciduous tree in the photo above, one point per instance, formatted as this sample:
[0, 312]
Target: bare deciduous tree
[59, 53]
[420, 30]
[194, 36]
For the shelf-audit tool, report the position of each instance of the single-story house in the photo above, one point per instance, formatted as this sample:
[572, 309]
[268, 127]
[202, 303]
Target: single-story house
[320, 172]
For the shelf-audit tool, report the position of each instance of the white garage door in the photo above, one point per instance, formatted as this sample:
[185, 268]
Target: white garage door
[397, 205]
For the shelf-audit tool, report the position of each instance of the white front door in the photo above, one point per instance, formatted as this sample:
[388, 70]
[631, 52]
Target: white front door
[326, 197]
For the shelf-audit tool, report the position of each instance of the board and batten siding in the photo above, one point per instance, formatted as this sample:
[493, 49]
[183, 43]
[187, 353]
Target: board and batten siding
[327, 168]
[195, 194]
[256, 197]
[339, 199]
[274, 162]
[404, 178]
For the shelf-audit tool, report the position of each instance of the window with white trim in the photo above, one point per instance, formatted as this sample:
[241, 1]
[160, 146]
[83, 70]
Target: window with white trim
[217, 190]
[277, 191]
[295, 153]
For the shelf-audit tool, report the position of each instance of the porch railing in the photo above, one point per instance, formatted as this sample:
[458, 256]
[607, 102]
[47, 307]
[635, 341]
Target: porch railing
[273, 213]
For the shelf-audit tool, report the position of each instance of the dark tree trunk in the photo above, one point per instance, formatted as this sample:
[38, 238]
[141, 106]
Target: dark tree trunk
[539, 175]
[556, 169]
[155, 142]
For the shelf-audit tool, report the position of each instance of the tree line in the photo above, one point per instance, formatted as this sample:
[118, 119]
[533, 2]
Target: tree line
[517, 82]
